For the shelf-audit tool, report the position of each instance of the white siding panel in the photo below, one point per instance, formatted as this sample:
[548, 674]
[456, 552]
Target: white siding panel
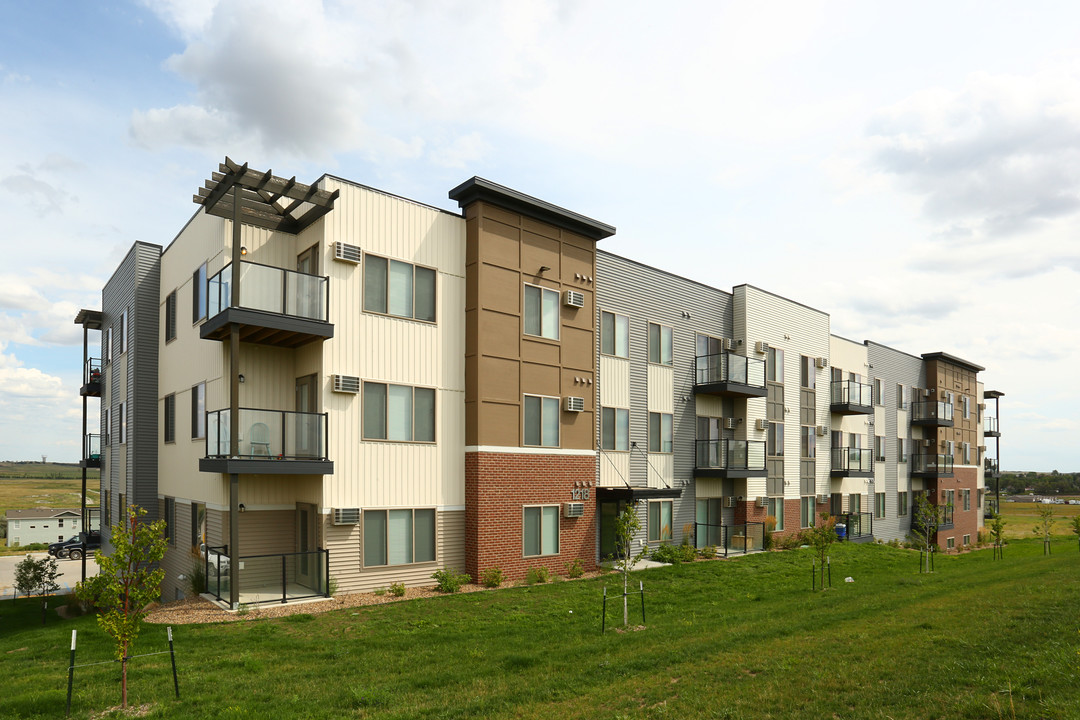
[614, 382]
[661, 389]
[614, 469]
[661, 470]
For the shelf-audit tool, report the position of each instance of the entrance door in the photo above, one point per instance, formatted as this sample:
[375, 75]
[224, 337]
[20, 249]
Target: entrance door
[307, 428]
[307, 563]
[308, 287]
[609, 511]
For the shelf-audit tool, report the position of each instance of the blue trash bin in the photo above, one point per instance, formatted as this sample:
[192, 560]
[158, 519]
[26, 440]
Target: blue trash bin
[841, 530]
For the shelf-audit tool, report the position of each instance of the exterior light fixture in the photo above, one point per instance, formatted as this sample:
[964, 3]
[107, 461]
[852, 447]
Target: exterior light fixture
[242, 508]
[544, 268]
[243, 250]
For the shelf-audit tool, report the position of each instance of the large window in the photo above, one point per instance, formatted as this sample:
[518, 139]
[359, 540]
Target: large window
[170, 418]
[879, 448]
[660, 520]
[541, 421]
[541, 312]
[879, 505]
[398, 537]
[901, 504]
[614, 429]
[540, 530]
[198, 411]
[854, 503]
[776, 510]
[774, 365]
[807, 372]
[399, 412]
[901, 450]
[660, 433]
[198, 524]
[774, 442]
[392, 287]
[198, 294]
[660, 344]
[806, 511]
[614, 334]
[170, 316]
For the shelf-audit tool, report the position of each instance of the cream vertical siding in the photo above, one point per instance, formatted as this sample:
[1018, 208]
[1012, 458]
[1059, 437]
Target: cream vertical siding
[661, 470]
[614, 382]
[851, 357]
[614, 469]
[661, 389]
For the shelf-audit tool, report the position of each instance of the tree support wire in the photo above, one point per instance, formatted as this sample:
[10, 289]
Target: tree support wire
[171, 652]
[603, 611]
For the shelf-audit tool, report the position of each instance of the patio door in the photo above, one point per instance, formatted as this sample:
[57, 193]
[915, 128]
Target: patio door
[308, 286]
[307, 563]
[306, 433]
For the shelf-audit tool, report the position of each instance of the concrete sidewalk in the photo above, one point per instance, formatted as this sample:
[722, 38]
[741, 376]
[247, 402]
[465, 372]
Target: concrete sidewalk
[70, 572]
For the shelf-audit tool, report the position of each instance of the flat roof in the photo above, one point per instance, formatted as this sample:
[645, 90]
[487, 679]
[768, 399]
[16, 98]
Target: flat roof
[477, 188]
[952, 359]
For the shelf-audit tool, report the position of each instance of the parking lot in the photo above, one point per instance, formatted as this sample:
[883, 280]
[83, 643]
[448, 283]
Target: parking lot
[70, 572]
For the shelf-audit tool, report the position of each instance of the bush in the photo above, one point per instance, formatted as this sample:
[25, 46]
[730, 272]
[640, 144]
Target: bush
[794, 540]
[767, 538]
[673, 554]
[708, 552]
[536, 575]
[575, 568]
[196, 576]
[398, 589]
[491, 577]
[450, 581]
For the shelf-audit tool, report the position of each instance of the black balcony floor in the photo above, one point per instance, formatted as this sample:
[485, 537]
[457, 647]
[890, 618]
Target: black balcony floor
[265, 328]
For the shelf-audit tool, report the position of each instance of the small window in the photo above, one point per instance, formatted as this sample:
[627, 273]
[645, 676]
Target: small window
[967, 453]
[399, 412]
[967, 499]
[967, 540]
[541, 421]
[198, 294]
[901, 450]
[660, 432]
[614, 334]
[807, 372]
[615, 429]
[776, 510]
[808, 441]
[950, 543]
[170, 520]
[775, 365]
[879, 505]
[198, 524]
[540, 530]
[106, 345]
[398, 537]
[660, 521]
[806, 512]
[122, 334]
[401, 289]
[901, 401]
[774, 442]
[198, 411]
[121, 422]
[660, 344]
[170, 316]
[879, 448]
[879, 392]
[901, 504]
[541, 315]
[169, 421]
[965, 403]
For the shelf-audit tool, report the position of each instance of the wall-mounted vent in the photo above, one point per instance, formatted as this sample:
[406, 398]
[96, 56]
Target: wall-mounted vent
[575, 404]
[573, 509]
[572, 298]
[730, 501]
[730, 423]
[822, 362]
[346, 384]
[822, 430]
[822, 499]
[762, 424]
[348, 253]
[761, 347]
[763, 502]
[346, 516]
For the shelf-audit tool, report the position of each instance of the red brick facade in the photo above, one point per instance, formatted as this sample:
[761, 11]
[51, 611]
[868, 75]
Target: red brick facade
[499, 485]
[965, 522]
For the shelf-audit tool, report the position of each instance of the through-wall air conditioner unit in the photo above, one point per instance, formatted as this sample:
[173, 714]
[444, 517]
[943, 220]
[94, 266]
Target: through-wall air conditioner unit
[572, 298]
[346, 384]
[761, 347]
[730, 423]
[822, 430]
[982, 448]
[573, 510]
[348, 253]
[730, 501]
[575, 404]
[822, 499]
[924, 393]
[927, 442]
[346, 516]
[762, 424]
[822, 362]
[727, 344]
[763, 502]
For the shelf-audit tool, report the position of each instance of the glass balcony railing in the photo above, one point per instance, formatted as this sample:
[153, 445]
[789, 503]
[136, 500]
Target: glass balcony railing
[849, 459]
[856, 524]
[850, 392]
[932, 464]
[92, 448]
[269, 578]
[929, 411]
[268, 434]
[727, 367]
[272, 290]
[990, 425]
[92, 372]
[731, 454]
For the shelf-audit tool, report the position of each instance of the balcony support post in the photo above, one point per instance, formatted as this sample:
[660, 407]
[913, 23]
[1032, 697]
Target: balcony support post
[82, 515]
[234, 541]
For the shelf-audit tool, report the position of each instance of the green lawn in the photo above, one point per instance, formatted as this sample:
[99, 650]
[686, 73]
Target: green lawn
[740, 639]
[1020, 518]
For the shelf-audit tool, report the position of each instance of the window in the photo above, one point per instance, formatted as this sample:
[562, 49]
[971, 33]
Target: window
[106, 509]
[879, 448]
[122, 334]
[660, 436]
[169, 422]
[950, 543]
[774, 442]
[965, 403]
[401, 289]
[776, 510]
[170, 520]
[806, 512]
[541, 421]
[901, 504]
[170, 316]
[901, 403]
[660, 344]
[660, 520]
[541, 312]
[901, 450]
[122, 508]
[967, 539]
[398, 537]
[108, 429]
[121, 422]
[614, 334]
[879, 505]
[950, 448]
[106, 345]
[967, 499]
[198, 411]
[807, 441]
[614, 429]
[774, 365]
[198, 524]
[966, 447]
[807, 372]
[399, 412]
[854, 503]
[198, 294]
[879, 392]
[540, 530]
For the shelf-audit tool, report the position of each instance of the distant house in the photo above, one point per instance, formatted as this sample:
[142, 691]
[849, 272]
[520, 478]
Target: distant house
[42, 525]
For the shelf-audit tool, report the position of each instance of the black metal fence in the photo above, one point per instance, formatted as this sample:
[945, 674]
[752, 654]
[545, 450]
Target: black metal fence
[276, 577]
[737, 539]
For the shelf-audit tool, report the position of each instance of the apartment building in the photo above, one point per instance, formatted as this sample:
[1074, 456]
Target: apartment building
[371, 389]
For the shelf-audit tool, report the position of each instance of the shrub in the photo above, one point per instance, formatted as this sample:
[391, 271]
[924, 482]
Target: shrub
[538, 574]
[575, 568]
[794, 540]
[379, 592]
[398, 590]
[331, 586]
[196, 577]
[708, 552]
[491, 577]
[449, 581]
[673, 554]
[767, 538]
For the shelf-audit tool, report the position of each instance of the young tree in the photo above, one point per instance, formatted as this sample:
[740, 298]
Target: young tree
[37, 577]
[997, 532]
[924, 523]
[127, 582]
[822, 536]
[1076, 527]
[1043, 526]
[627, 525]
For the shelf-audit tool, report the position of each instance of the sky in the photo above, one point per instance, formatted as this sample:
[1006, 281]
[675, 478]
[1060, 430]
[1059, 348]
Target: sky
[912, 169]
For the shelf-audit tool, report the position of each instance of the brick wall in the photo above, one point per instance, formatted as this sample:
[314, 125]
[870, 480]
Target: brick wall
[499, 485]
[964, 523]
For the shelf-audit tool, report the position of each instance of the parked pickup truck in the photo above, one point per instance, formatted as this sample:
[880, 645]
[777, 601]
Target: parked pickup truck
[72, 548]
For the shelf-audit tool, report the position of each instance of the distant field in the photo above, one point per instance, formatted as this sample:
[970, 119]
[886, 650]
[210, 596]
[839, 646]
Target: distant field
[31, 485]
[1020, 518]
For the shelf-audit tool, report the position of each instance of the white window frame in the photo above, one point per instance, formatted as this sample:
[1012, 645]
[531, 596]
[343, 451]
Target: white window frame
[620, 440]
[620, 341]
[664, 344]
[902, 503]
[656, 530]
[386, 536]
[386, 419]
[387, 278]
[879, 506]
[776, 509]
[548, 404]
[540, 534]
[546, 295]
[662, 439]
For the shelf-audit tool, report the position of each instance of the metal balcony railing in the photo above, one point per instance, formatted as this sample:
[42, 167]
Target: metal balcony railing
[268, 434]
[272, 290]
[935, 464]
[729, 367]
[92, 371]
[850, 392]
[990, 425]
[92, 448]
[930, 410]
[731, 454]
[849, 459]
[857, 524]
[279, 577]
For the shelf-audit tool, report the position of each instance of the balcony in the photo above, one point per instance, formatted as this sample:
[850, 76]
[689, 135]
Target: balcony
[730, 459]
[92, 377]
[990, 427]
[278, 578]
[858, 526]
[925, 465]
[852, 462]
[271, 442]
[729, 374]
[932, 414]
[91, 456]
[278, 307]
[850, 397]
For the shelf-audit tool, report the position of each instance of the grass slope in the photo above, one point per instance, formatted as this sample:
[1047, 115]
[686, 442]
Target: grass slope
[740, 639]
[1020, 518]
